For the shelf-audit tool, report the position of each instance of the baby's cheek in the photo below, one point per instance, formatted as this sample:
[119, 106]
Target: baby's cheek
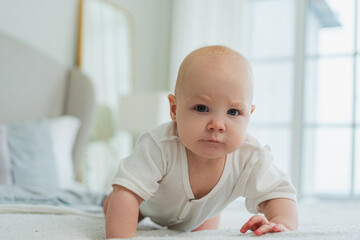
[238, 138]
[186, 134]
[234, 144]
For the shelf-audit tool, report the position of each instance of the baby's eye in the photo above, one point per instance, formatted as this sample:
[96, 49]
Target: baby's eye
[233, 112]
[201, 108]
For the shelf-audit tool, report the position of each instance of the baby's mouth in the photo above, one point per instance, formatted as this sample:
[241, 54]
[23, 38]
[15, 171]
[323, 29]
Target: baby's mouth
[213, 141]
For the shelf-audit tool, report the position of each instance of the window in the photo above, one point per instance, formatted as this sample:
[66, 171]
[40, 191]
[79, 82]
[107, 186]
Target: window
[271, 53]
[329, 125]
[305, 61]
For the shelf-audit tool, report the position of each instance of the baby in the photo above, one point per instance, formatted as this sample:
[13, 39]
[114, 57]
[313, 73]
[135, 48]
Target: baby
[184, 173]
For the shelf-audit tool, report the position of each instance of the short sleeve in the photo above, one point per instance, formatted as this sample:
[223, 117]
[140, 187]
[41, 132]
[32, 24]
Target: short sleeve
[143, 169]
[263, 181]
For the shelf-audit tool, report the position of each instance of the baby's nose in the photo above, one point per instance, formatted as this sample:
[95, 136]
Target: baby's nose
[216, 125]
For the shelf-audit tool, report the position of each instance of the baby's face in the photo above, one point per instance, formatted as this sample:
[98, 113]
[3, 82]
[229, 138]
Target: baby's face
[212, 106]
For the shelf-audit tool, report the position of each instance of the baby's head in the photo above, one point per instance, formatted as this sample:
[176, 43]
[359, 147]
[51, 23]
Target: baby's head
[213, 101]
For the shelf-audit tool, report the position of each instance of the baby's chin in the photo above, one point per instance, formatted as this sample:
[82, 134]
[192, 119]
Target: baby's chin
[210, 153]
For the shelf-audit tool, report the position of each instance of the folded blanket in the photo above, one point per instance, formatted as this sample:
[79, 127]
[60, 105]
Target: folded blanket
[81, 200]
[46, 209]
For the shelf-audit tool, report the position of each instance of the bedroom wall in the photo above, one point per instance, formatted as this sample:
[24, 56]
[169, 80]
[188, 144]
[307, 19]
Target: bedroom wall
[49, 26]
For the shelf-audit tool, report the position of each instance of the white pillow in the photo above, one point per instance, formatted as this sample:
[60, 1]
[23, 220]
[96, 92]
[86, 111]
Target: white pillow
[63, 131]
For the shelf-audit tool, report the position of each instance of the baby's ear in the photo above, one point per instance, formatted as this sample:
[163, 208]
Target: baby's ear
[172, 103]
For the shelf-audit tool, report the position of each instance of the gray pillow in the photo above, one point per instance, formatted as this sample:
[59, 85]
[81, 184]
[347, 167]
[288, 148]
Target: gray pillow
[31, 156]
[5, 167]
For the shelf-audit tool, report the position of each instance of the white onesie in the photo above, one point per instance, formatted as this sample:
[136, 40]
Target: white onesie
[157, 171]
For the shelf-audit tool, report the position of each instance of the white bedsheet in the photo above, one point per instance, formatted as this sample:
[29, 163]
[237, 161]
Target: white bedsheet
[318, 221]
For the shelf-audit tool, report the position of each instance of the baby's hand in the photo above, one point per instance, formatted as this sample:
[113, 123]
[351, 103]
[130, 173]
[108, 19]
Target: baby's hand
[260, 225]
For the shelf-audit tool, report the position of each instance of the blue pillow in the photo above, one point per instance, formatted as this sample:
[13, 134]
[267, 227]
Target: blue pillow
[31, 155]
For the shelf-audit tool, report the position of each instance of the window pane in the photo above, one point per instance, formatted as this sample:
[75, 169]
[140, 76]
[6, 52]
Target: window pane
[273, 92]
[357, 104]
[279, 141]
[357, 162]
[358, 26]
[330, 26]
[272, 28]
[328, 90]
[327, 161]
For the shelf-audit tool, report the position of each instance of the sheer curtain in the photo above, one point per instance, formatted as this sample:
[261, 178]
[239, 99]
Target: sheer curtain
[108, 59]
[107, 50]
[204, 22]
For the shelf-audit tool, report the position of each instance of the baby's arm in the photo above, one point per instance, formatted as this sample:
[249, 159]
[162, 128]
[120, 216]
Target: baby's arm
[280, 215]
[121, 213]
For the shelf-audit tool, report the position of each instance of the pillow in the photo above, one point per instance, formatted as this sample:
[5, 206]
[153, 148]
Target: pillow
[31, 154]
[5, 166]
[64, 131]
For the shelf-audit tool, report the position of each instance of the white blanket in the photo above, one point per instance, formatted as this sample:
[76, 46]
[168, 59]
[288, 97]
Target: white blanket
[318, 221]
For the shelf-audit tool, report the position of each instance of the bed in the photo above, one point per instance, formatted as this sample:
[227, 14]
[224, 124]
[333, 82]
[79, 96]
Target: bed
[46, 111]
[40, 97]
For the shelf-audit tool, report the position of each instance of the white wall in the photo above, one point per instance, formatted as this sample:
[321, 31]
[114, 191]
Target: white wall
[153, 37]
[49, 26]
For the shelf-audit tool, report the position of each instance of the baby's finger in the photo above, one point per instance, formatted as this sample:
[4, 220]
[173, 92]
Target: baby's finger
[264, 229]
[245, 228]
[257, 219]
[279, 228]
[254, 223]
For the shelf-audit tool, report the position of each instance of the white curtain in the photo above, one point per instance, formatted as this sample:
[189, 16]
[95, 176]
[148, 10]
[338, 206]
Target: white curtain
[108, 59]
[107, 50]
[197, 23]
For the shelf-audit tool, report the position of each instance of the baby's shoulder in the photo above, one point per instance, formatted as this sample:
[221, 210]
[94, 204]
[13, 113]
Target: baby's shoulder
[168, 143]
[166, 140]
[166, 132]
[162, 143]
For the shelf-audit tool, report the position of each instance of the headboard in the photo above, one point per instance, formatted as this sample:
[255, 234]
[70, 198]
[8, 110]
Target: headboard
[33, 86]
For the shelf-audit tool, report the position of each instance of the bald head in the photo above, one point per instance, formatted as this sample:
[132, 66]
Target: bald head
[216, 55]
